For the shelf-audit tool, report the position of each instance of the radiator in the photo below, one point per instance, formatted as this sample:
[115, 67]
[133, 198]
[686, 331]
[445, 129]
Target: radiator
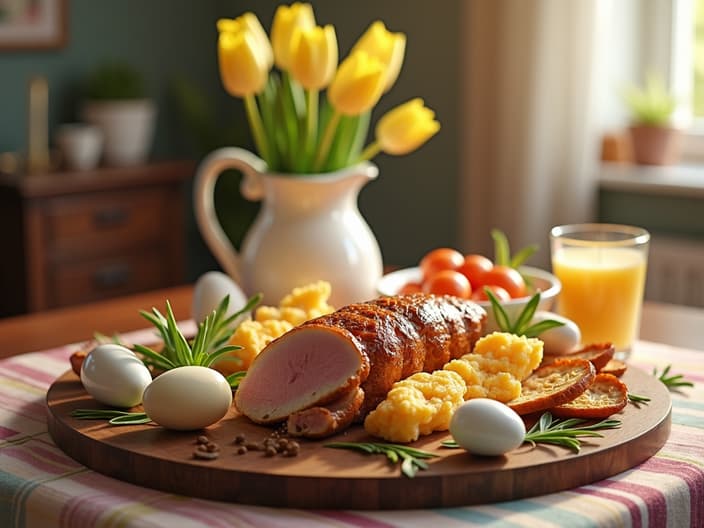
[675, 271]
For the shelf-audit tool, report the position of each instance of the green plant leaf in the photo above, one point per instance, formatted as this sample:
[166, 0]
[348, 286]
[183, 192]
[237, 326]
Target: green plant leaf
[502, 251]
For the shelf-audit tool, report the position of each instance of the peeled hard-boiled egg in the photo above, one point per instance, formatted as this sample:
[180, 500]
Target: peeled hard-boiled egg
[188, 398]
[559, 340]
[114, 375]
[209, 291]
[487, 427]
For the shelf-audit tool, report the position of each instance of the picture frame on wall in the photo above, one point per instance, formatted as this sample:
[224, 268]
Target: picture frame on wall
[32, 24]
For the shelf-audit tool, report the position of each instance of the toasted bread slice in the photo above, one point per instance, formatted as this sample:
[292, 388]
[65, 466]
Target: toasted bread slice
[598, 353]
[605, 396]
[615, 367]
[553, 385]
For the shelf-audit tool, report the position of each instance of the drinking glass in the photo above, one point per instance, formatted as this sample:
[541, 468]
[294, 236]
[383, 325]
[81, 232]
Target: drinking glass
[602, 268]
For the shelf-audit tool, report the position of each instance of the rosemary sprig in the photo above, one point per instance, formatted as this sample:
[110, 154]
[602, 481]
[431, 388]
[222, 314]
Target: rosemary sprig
[637, 398]
[411, 458]
[566, 433]
[208, 345]
[671, 382]
[235, 378]
[522, 325]
[114, 417]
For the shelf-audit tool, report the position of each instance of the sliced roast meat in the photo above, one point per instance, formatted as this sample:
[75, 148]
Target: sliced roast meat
[373, 344]
[312, 366]
[322, 421]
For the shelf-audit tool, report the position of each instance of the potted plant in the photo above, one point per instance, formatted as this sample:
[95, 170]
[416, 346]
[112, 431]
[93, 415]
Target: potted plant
[655, 141]
[115, 101]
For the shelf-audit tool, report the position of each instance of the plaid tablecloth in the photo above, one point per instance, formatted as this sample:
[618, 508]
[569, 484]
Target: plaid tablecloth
[41, 486]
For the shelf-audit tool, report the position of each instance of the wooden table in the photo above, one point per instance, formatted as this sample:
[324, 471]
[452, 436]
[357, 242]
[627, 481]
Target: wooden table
[45, 487]
[43, 330]
[662, 323]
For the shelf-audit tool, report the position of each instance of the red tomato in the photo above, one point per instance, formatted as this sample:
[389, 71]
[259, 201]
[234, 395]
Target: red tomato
[411, 287]
[500, 294]
[448, 282]
[508, 278]
[440, 259]
[474, 267]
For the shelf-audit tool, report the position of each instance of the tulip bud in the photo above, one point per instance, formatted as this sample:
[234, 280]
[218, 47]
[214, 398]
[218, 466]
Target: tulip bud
[358, 84]
[286, 20]
[243, 66]
[406, 127]
[313, 58]
[249, 22]
[388, 47]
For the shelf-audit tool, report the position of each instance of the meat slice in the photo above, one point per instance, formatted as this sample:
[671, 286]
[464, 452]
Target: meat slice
[311, 366]
[322, 421]
[372, 344]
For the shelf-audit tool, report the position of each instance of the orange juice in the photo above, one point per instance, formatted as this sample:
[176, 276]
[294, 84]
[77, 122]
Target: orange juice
[602, 291]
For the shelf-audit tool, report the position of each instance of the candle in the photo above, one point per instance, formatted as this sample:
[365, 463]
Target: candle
[602, 269]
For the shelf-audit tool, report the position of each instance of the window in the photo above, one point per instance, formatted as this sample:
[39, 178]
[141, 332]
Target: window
[698, 80]
[687, 61]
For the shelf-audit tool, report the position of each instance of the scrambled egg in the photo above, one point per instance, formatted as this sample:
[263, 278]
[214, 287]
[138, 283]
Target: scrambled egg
[270, 322]
[497, 365]
[424, 402]
[417, 405]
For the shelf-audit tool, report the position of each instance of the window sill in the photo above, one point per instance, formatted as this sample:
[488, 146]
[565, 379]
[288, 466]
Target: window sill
[672, 180]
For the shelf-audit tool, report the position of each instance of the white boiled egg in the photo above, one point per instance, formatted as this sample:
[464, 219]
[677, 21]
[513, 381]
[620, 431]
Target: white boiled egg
[487, 427]
[114, 375]
[559, 340]
[210, 289]
[188, 398]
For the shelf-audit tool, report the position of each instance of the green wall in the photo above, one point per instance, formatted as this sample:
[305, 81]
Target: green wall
[412, 207]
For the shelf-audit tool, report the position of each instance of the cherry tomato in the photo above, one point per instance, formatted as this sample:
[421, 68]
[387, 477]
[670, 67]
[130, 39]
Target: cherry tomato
[411, 287]
[508, 278]
[474, 267]
[500, 294]
[440, 259]
[448, 282]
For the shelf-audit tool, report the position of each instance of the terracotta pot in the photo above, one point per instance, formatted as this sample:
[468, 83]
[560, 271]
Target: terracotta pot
[654, 145]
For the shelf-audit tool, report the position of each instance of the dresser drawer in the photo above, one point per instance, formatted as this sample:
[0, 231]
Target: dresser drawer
[94, 279]
[92, 224]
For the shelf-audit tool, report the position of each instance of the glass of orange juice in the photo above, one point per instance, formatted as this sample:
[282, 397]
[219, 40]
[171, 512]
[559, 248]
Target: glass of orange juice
[602, 269]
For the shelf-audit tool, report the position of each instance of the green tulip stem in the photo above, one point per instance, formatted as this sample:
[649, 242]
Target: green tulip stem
[255, 122]
[326, 142]
[370, 151]
[312, 125]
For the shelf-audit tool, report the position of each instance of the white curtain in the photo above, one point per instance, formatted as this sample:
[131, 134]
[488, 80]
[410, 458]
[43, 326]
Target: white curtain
[534, 111]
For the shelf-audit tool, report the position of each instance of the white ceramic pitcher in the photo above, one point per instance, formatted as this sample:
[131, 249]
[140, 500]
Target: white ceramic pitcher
[308, 228]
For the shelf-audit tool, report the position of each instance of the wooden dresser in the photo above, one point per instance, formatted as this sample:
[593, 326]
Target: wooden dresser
[74, 237]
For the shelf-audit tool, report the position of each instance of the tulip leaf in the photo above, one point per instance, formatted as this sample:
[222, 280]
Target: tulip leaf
[290, 120]
[267, 102]
[341, 145]
[360, 137]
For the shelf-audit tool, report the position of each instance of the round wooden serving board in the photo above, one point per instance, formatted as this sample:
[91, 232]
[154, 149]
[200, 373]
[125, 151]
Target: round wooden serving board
[321, 477]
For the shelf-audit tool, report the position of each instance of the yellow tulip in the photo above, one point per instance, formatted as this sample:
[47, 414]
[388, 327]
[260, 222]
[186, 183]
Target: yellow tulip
[286, 20]
[403, 129]
[313, 57]
[250, 22]
[243, 67]
[358, 84]
[388, 47]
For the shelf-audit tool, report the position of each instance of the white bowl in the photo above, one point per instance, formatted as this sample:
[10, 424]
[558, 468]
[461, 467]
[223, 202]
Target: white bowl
[548, 284]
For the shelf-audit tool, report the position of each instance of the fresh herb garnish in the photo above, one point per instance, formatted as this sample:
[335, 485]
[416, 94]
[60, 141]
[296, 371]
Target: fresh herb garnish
[235, 378]
[208, 345]
[674, 381]
[502, 251]
[411, 458]
[566, 433]
[522, 325]
[114, 417]
[637, 398]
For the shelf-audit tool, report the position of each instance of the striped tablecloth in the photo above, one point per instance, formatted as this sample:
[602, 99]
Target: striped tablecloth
[41, 486]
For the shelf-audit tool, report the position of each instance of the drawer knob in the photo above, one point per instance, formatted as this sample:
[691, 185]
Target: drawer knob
[112, 276]
[113, 217]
